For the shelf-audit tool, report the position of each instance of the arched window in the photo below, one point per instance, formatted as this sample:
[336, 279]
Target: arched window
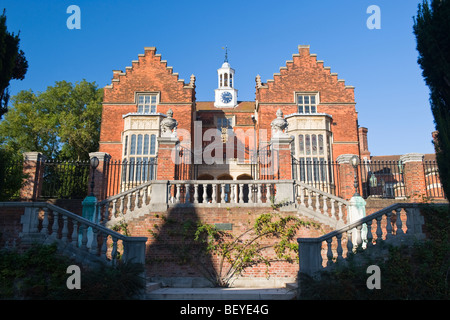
[226, 80]
[231, 80]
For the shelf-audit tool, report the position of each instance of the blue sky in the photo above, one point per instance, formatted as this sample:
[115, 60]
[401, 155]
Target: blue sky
[392, 98]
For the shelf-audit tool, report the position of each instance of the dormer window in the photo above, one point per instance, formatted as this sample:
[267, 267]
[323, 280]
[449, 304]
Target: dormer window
[147, 103]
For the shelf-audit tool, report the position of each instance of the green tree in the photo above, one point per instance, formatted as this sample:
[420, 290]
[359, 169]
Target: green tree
[13, 64]
[432, 31]
[62, 122]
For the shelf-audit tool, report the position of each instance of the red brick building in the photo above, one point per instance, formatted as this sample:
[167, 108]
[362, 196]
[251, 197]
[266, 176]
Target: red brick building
[319, 109]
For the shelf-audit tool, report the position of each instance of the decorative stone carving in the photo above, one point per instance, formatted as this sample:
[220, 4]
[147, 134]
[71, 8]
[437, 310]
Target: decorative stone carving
[169, 125]
[279, 125]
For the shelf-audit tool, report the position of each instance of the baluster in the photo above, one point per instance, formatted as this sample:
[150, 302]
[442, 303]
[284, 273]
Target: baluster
[114, 250]
[44, 229]
[94, 244]
[268, 193]
[232, 193]
[379, 231]
[349, 242]
[317, 202]
[205, 193]
[187, 198]
[55, 225]
[398, 221]
[136, 199]
[65, 230]
[309, 199]
[302, 196]
[329, 252]
[113, 210]
[104, 248]
[388, 225]
[196, 193]
[333, 209]
[325, 206]
[129, 202]
[84, 239]
[144, 196]
[74, 237]
[178, 195]
[250, 193]
[214, 193]
[369, 233]
[259, 196]
[358, 236]
[339, 249]
[35, 222]
[122, 204]
[340, 215]
[222, 193]
[241, 193]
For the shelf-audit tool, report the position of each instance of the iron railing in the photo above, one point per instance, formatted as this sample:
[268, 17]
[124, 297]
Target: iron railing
[65, 179]
[432, 180]
[318, 173]
[125, 175]
[383, 179]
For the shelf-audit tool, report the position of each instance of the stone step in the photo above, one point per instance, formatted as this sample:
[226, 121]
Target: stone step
[221, 294]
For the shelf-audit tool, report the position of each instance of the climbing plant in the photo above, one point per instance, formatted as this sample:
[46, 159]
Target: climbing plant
[221, 255]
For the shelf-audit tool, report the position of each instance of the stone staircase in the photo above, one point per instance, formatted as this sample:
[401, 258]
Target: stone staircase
[156, 292]
[288, 195]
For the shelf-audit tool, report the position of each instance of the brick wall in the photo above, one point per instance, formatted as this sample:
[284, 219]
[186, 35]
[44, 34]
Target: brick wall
[147, 74]
[304, 73]
[240, 219]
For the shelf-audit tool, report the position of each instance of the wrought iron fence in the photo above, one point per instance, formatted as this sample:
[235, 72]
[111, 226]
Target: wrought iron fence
[127, 174]
[383, 179]
[432, 180]
[318, 173]
[65, 179]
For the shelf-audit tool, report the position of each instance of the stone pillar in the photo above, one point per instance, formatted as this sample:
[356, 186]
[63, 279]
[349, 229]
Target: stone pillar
[33, 169]
[346, 176]
[357, 210]
[414, 176]
[281, 158]
[167, 148]
[100, 175]
[281, 146]
[167, 158]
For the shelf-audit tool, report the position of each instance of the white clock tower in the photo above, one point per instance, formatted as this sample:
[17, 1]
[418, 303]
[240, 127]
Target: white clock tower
[226, 94]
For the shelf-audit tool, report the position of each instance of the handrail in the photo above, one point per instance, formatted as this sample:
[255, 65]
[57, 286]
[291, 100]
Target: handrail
[133, 247]
[389, 224]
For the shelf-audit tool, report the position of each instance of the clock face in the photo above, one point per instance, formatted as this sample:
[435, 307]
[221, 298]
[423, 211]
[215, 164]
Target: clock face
[226, 97]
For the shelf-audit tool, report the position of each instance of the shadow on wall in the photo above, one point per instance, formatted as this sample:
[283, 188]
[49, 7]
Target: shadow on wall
[175, 258]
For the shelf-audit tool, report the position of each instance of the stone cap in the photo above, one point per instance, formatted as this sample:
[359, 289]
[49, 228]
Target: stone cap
[345, 158]
[412, 157]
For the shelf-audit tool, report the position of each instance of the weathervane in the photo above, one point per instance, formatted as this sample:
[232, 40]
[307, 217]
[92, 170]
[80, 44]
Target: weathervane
[226, 53]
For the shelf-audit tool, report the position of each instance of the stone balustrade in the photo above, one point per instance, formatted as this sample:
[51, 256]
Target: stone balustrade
[384, 225]
[223, 192]
[159, 195]
[76, 236]
[326, 207]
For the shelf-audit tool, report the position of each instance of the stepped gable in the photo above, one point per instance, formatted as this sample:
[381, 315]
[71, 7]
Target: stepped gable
[149, 74]
[304, 73]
